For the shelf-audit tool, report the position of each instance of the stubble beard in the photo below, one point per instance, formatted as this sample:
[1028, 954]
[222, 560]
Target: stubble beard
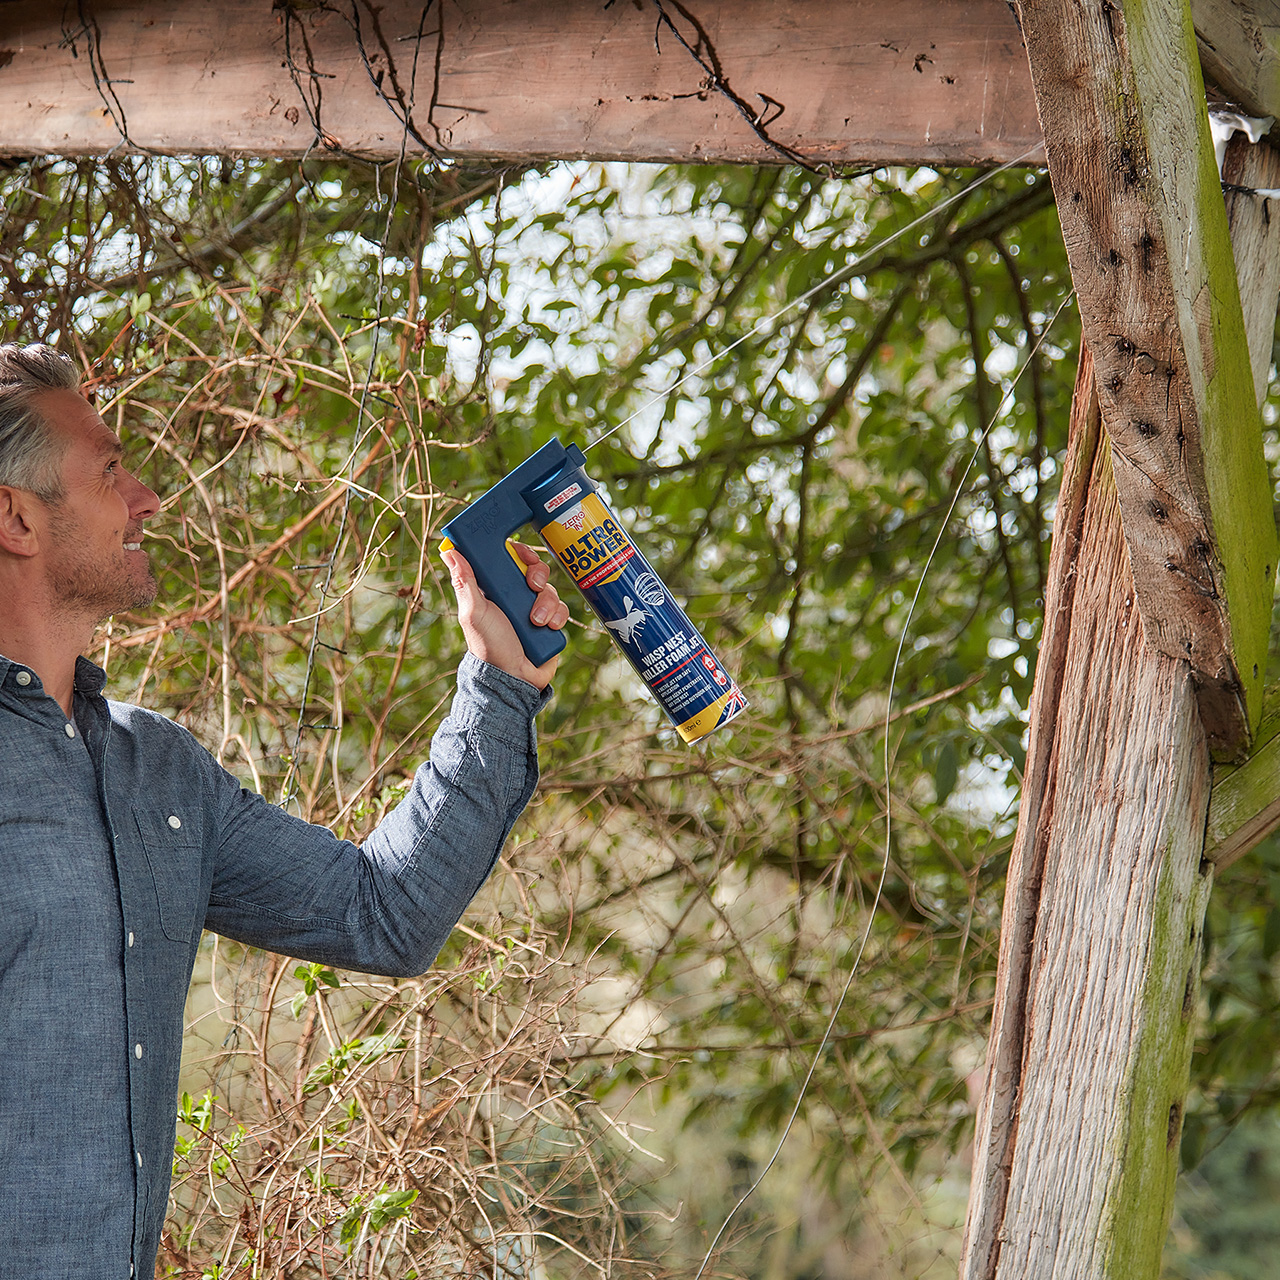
[85, 589]
[98, 590]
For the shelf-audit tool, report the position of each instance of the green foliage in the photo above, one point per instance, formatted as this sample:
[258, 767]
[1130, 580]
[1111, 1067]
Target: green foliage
[349, 1055]
[316, 367]
[312, 976]
[1228, 1221]
[382, 1210]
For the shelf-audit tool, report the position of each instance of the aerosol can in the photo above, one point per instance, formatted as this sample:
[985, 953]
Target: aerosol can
[552, 491]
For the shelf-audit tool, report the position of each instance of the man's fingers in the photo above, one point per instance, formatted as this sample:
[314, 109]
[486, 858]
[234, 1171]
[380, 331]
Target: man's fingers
[457, 566]
[537, 575]
[550, 611]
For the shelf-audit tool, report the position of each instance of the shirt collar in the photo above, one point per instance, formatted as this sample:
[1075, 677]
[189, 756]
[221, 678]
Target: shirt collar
[90, 678]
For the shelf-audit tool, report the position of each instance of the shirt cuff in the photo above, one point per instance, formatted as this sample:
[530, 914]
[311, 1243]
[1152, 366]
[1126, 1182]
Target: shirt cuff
[503, 705]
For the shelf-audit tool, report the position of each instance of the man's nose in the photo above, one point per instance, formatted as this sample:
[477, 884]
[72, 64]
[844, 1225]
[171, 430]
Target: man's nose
[143, 502]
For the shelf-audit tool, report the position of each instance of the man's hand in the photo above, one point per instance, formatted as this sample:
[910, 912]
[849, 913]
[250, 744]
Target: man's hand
[489, 635]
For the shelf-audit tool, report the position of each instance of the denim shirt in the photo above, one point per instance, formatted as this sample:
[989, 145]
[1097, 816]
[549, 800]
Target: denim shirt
[116, 849]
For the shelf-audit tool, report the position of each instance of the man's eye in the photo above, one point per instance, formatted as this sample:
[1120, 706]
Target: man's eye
[113, 466]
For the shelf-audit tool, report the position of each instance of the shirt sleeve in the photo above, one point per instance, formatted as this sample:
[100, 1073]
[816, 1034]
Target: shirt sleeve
[388, 905]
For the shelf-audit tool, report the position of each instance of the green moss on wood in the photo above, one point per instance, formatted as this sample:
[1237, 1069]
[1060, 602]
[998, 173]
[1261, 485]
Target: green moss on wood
[1215, 342]
[1140, 1199]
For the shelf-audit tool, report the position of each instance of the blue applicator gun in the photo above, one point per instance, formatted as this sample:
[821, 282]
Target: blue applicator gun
[552, 491]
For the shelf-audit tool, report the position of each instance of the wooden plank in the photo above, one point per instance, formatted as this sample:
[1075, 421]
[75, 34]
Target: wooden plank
[1140, 202]
[1104, 1205]
[1255, 244]
[1240, 50]
[998, 1113]
[1245, 805]
[852, 82]
[1077, 1140]
[1076, 1149]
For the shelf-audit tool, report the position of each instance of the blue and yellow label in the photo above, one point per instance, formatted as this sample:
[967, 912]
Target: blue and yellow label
[589, 543]
[660, 642]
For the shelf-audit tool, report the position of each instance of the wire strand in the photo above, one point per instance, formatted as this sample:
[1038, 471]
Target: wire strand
[888, 805]
[839, 276]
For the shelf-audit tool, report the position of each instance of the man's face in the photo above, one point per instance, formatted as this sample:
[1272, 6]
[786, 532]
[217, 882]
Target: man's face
[93, 537]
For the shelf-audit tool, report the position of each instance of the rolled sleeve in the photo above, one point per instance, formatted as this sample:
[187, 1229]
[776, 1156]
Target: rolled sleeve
[388, 905]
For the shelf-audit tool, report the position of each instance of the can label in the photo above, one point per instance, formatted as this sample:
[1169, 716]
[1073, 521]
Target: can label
[660, 642]
[563, 496]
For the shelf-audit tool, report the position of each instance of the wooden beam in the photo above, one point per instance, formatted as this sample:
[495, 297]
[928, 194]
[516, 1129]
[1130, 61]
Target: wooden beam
[853, 83]
[1255, 245]
[842, 83]
[1076, 1150]
[996, 1127]
[1139, 197]
[1239, 44]
[845, 82]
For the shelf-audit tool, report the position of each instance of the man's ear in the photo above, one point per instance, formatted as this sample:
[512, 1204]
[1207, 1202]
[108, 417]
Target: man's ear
[18, 535]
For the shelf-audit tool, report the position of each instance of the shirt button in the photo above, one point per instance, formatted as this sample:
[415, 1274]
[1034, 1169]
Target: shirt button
[71, 730]
[131, 939]
[23, 678]
[137, 1051]
[138, 1156]
[174, 821]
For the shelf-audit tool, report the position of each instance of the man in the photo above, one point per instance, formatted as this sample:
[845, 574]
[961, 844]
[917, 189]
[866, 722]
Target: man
[120, 838]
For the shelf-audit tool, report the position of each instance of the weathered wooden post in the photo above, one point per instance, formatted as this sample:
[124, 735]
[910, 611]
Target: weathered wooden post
[1152, 659]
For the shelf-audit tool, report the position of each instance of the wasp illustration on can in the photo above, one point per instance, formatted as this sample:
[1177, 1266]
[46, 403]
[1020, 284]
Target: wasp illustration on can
[552, 491]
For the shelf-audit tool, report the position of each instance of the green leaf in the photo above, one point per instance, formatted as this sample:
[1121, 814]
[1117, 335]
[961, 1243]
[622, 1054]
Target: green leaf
[946, 772]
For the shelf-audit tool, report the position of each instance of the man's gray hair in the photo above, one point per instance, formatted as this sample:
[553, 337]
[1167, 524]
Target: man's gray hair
[30, 453]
